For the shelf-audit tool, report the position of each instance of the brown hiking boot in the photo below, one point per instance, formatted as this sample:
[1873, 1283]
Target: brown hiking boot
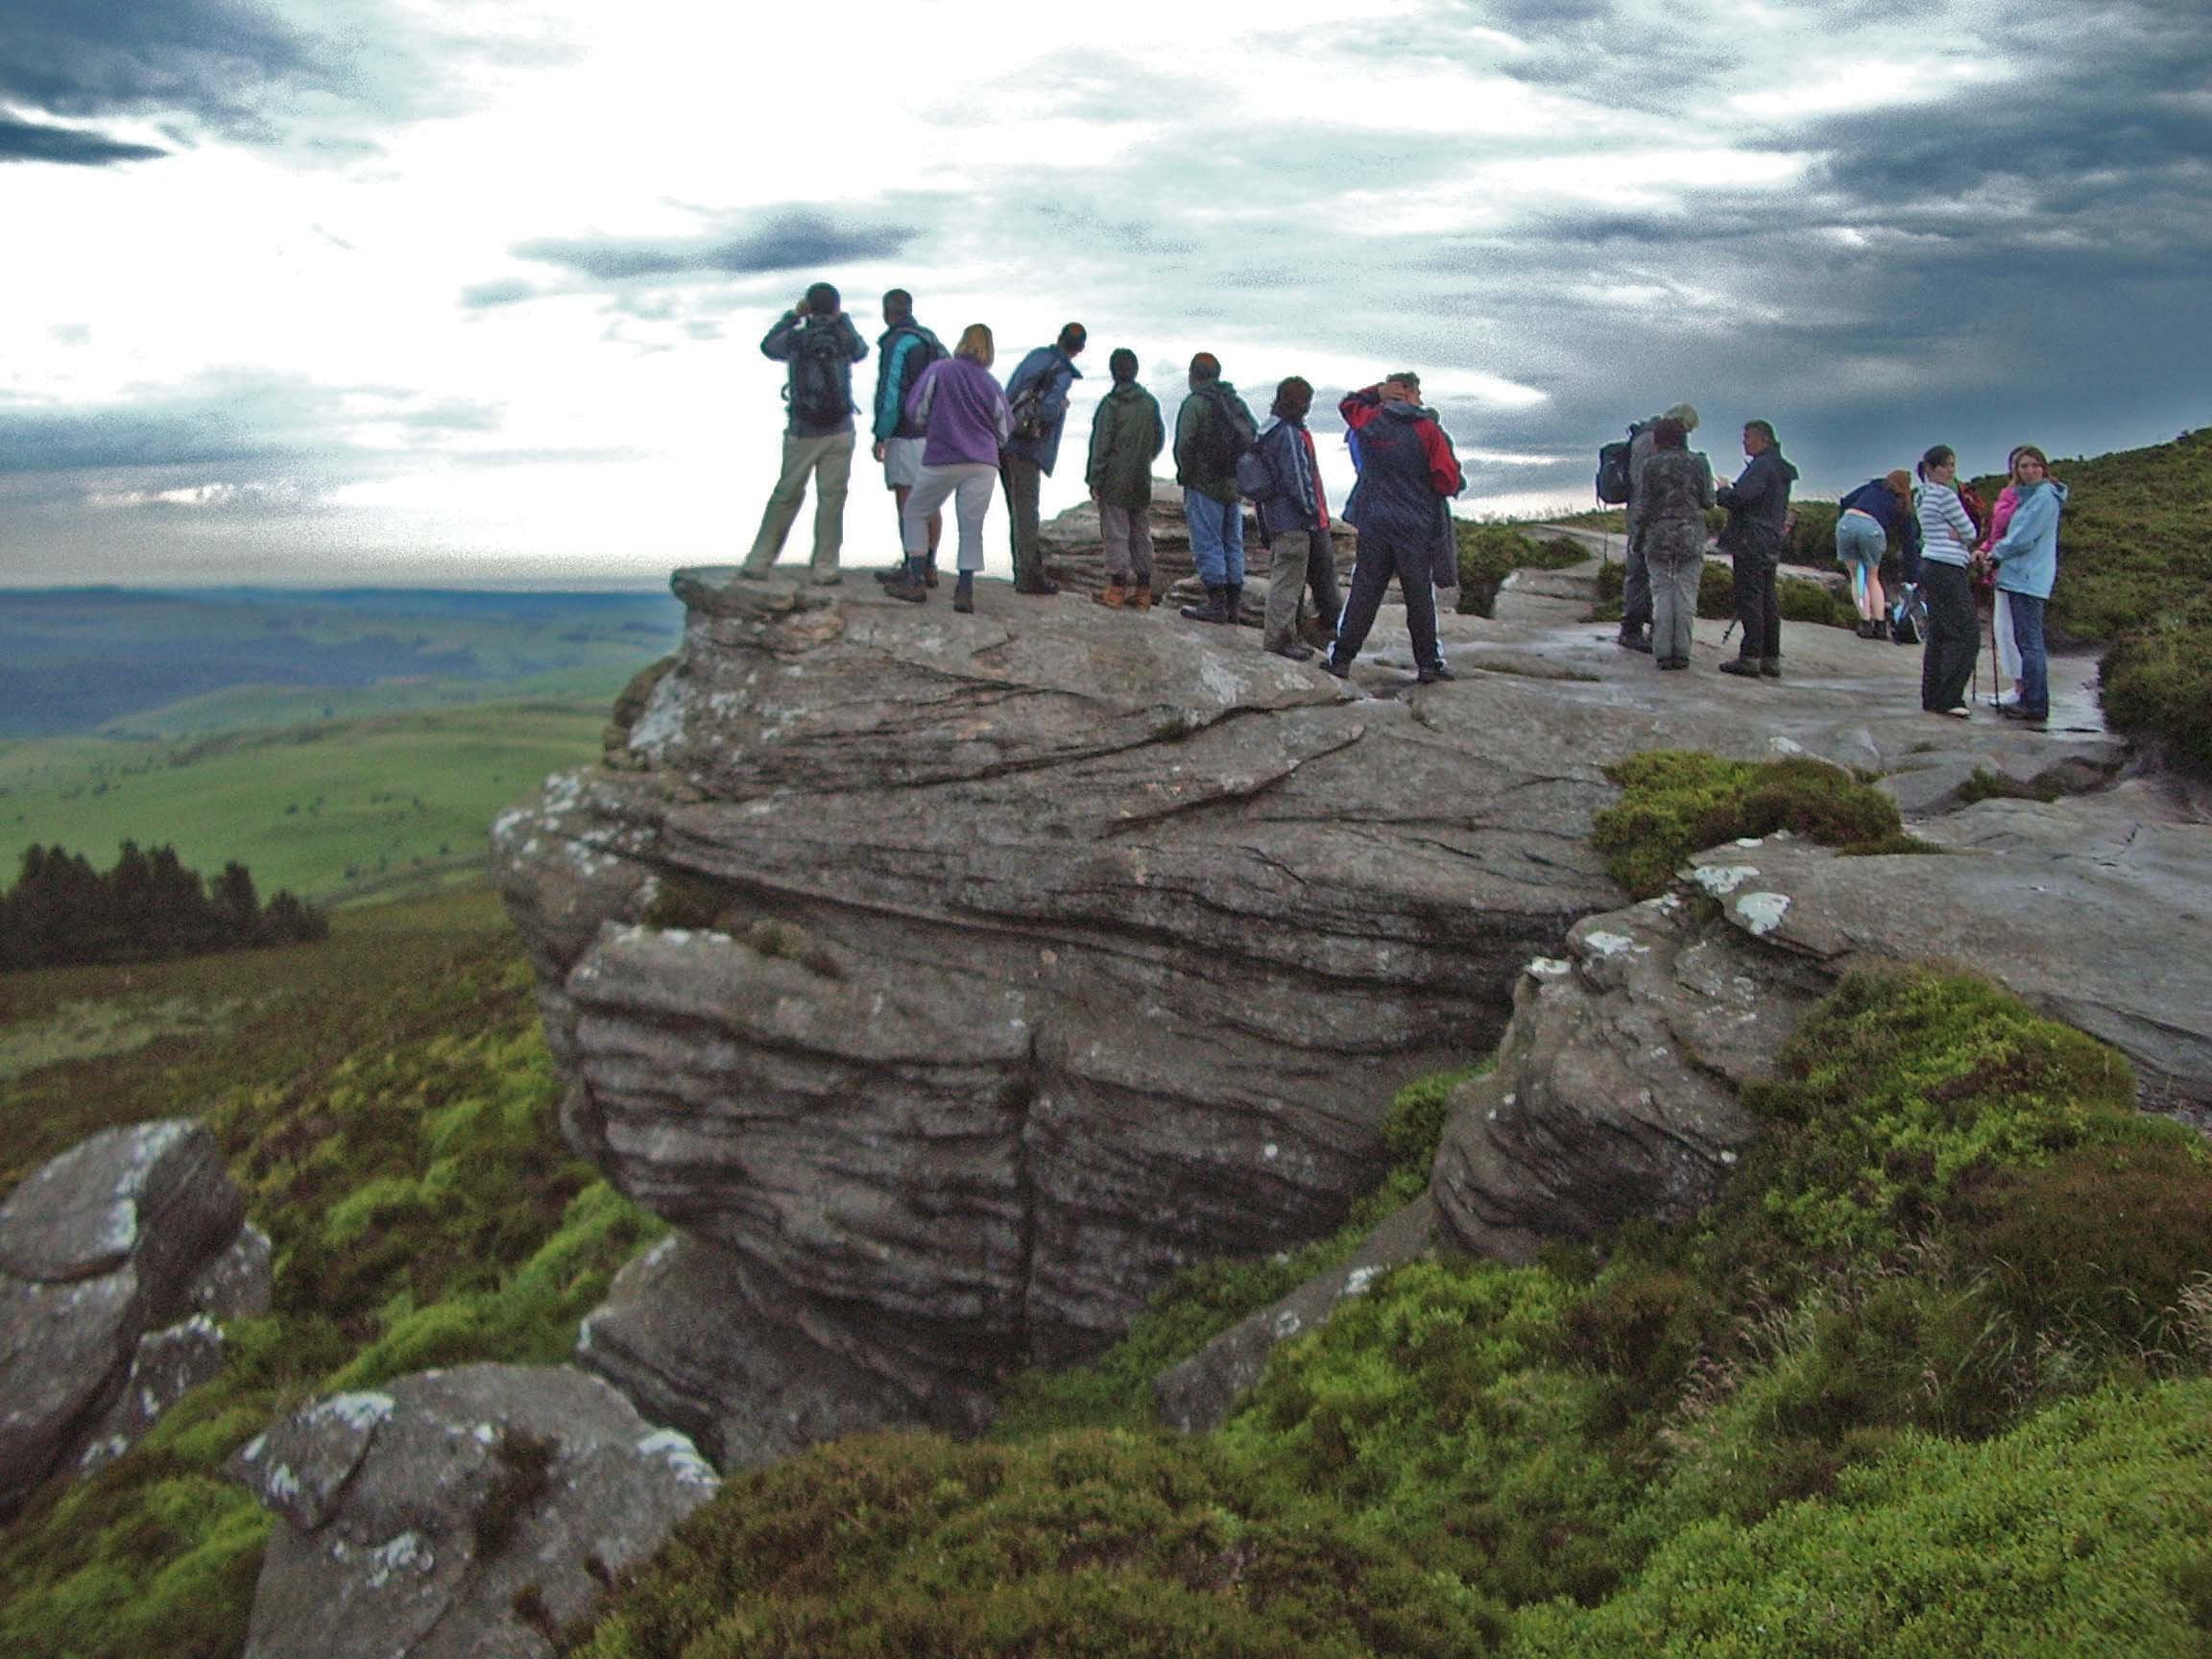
[1140, 597]
[1113, 596]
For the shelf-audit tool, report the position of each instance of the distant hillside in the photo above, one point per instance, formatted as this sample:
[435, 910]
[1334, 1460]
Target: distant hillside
[148, 664]
[334, 810]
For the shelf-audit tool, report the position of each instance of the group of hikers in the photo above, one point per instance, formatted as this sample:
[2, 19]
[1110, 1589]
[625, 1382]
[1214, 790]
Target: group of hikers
[944, 429]
[1945, 540]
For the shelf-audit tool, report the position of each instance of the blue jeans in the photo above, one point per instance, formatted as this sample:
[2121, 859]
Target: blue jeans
[1217, 539]
[2035, 663]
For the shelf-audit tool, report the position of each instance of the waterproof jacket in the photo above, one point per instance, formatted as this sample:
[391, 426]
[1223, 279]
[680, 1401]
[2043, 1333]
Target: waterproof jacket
[1406, 470]
[1205, 445]
[1297, 502]
[1880, 503]
[1055, 364]
[1757, 504]
[2027, 554]
[963, 411]
[781, 342]
[902, 351]
[1125, 435]
[1668, 511]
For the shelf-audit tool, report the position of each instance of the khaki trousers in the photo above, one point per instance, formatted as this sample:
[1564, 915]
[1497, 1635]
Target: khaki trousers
[829, 461]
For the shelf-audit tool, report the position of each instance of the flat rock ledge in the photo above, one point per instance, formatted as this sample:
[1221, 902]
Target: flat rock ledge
[949, 981]
[116, 1261]
[463, 1514]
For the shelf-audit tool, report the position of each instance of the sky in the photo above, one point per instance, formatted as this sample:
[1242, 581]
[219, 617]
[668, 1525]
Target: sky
[327, 292]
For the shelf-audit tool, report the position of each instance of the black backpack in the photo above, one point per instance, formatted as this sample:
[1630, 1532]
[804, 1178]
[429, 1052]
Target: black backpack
[1613, 469]
[820, 390]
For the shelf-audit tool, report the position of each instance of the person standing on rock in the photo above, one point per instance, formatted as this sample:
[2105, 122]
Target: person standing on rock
[903, 351]
[1667, 519]
[819, 342]
[965, 419]
[2027, 559]
[1406, 470]
[1037, 396]
[1212, 429]
[1954, 635]
[1635, 603]
[1294, 523]
[1126, 435]
[1758, 505]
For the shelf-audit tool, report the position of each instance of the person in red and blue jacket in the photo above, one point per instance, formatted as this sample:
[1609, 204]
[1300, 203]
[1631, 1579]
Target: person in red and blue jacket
[1406, 473]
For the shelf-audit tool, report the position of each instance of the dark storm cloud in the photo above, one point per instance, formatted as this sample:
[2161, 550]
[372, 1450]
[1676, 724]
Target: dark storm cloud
[33, 141]
[791, 239]
[203, 58]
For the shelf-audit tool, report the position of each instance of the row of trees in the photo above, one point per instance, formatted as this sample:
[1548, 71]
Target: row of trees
[148, 907]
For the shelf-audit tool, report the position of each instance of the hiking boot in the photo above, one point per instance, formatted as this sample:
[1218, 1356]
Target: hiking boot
[1296, 650]
[1114, 596]
[827, 578]
[1037, 586]
[1330, 665]
[1139, 597]
[1632, 639]
[909, 587]
[1673, 662]
[1214, 609]
[1771, 667]
[1742, 668]
[1441, 670]
[930, 575]
[2015, 712]
[1233, 602]
[964, 594]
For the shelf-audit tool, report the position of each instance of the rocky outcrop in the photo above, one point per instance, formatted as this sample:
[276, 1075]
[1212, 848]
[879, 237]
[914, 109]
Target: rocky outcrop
[100, 1250]
[464, 1514]
[1615, 1091]
[952, 980]
[949, 981]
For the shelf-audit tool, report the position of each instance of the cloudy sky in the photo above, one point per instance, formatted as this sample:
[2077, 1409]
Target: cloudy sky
[466, 291]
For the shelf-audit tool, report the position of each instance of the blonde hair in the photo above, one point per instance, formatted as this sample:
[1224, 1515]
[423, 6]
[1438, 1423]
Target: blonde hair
[975, 345]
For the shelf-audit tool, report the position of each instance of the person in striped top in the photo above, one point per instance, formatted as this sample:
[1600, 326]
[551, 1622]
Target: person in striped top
[1947, 537]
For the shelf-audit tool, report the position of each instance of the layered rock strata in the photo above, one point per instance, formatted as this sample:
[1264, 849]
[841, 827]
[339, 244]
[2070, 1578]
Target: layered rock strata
[952, 980]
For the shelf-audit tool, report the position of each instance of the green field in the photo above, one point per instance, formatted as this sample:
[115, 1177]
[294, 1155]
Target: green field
[334, 810]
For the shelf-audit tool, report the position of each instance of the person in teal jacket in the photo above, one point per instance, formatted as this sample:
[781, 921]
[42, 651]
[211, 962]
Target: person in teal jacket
[2027, 559]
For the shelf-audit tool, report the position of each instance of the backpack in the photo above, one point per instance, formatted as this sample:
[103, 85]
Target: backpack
[1239, 437]
[1613, 469]
[1255, 478]
[819, 391]
[1027, 407]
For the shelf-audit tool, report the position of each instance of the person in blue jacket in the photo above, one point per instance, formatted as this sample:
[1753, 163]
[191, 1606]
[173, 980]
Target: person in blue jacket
[2027, 559]
[1866, 521]
[1027, 458]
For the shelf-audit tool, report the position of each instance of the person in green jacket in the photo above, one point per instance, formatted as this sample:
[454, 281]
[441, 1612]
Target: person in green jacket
[1125, 435]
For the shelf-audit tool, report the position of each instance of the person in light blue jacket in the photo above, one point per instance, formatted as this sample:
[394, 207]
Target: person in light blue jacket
[2027, 559]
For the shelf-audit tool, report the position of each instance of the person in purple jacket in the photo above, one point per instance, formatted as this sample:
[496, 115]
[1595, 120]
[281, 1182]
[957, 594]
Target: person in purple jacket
[965, 420]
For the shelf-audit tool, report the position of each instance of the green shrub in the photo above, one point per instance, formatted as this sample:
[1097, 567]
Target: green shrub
[1987, 786]
[2087, 1531]
[1675, 801]
[2108, 1246]
[1489, 553]
[1903, 1085]
[2158, 682]
[1811, 534]
[1103, 1544]
[1433, 1408]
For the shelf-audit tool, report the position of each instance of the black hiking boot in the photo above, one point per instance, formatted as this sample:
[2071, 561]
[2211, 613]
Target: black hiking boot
[1214, 608]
